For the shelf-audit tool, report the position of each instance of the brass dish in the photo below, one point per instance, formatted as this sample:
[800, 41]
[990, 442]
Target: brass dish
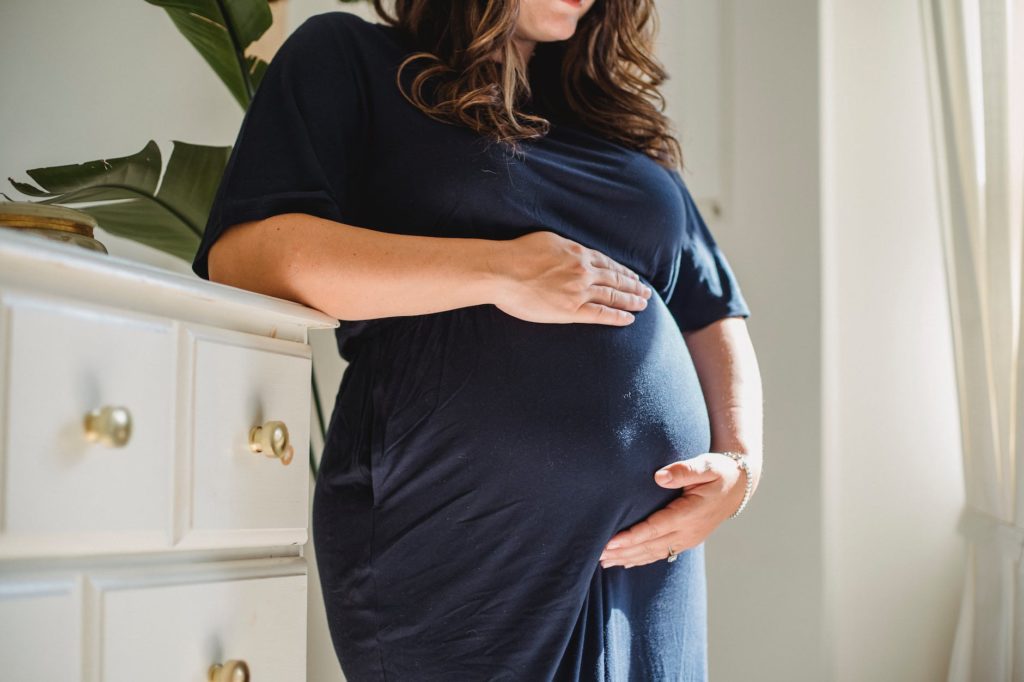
[59, 223]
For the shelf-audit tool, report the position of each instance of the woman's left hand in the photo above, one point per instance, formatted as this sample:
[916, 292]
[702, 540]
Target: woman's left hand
[714, 487]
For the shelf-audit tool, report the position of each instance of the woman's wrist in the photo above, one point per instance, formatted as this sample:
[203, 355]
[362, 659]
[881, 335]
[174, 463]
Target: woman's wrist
[748, 479]
[756, 462]
[493, 268]
[750, 464]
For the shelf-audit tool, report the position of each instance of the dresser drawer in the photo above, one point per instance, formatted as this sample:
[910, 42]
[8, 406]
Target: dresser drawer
[41, 622]
[174, 633]
[63, 491]
[240, 497]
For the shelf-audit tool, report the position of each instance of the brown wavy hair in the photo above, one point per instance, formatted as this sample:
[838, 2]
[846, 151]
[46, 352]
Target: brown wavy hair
[605, 76]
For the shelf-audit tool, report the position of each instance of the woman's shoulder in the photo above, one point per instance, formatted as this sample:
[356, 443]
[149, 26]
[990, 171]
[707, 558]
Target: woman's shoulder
[353, 34]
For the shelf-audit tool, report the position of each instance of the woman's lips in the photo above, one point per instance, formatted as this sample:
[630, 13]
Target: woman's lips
[574, 3]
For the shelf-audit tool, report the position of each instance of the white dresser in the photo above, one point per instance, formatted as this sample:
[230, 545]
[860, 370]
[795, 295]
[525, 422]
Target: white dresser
[141, 536]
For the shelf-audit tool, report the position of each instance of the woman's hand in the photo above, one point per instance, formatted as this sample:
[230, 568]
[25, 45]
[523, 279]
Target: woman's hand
[714, 487]
[548, 278]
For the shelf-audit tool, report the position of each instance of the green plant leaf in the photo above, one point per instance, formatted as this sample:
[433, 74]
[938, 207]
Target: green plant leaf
[170, 218]
[221, 30]
[105, 177]
[191, 180]
[148, 223]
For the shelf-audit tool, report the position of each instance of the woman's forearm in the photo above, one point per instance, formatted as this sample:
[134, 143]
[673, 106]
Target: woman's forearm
[354, 273]
[730, 379]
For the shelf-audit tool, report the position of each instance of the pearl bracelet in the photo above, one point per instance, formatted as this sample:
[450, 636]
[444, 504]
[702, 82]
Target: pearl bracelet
[741, 460]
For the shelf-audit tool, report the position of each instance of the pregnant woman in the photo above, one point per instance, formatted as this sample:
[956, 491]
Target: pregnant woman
[536, 321]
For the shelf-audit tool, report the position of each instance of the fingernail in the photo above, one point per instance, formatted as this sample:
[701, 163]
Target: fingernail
[648, 292]
[663, 475]
[613, 544]
[604, 555]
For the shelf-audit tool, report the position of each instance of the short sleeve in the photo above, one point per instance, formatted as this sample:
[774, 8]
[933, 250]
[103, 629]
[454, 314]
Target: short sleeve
[705, 287]
[301, 137]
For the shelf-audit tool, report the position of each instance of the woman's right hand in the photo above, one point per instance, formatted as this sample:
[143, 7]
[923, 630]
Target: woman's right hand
[548, 278]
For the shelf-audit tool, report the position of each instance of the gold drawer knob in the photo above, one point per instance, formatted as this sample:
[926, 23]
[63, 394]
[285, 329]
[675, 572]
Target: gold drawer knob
[229, 671]
[109, 425]
[272, 440]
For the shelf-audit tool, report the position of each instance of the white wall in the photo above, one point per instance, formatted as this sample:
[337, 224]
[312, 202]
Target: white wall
[84, 81]
[765, 568]
[847, 565]
[894, 484]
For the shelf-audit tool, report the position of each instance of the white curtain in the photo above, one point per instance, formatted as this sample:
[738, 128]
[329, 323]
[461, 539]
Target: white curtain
[975, 57]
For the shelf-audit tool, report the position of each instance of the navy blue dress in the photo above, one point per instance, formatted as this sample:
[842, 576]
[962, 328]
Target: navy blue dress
[476, 464]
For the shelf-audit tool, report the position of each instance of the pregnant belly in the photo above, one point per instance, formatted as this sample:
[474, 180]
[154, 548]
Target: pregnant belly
[478, 400]
[480, 463]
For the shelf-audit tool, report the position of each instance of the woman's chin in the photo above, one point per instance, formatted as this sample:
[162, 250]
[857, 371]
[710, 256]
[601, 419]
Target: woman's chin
[553, 26]
[556, 31]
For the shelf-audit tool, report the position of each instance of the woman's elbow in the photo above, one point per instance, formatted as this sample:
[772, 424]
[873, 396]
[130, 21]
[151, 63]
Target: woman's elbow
[239, 258]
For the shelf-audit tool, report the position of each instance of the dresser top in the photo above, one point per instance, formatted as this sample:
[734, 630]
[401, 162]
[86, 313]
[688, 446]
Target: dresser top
[30, 263]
